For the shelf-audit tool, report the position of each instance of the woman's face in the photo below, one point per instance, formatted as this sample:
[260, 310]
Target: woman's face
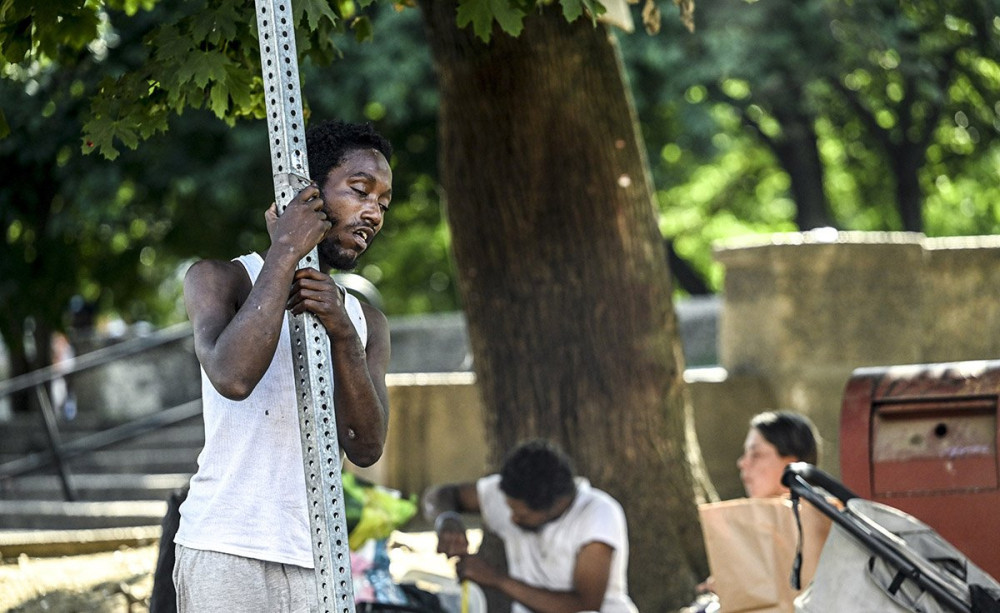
[761, 466]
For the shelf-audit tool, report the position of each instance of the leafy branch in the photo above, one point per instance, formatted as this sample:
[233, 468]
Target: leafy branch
[205, 54]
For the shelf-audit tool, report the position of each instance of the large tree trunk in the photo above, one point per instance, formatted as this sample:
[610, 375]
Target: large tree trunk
[564, 277]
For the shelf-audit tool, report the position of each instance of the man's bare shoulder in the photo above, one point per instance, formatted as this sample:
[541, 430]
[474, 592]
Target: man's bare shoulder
[216, 267]
[374, 316]
[377, 343]
[223, 279]
[215, 270]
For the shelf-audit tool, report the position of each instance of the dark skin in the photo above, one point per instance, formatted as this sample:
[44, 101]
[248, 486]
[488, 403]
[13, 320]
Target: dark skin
[590, 575]
[237, 324]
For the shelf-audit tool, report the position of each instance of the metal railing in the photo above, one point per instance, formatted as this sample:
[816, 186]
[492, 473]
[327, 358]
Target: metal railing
[58, 452]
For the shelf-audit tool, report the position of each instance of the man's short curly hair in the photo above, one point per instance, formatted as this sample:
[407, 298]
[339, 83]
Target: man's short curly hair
[537, 473]
[328, 142]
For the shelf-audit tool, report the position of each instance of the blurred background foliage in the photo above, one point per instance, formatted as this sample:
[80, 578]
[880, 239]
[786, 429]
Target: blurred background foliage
[771, 116]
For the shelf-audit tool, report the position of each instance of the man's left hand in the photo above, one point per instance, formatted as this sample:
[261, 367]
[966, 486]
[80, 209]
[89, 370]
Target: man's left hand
[315, 292]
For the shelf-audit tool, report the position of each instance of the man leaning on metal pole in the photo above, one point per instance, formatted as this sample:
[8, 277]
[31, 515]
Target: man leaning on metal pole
[244, 541]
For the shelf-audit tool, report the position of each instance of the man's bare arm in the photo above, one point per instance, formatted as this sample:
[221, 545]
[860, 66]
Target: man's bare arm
[362, 399]
[457, 497]
[360, 395]
[235, 331]
[237, 324]
[590, 581]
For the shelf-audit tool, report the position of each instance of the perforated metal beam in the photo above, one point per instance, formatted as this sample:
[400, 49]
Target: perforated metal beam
[310, 347]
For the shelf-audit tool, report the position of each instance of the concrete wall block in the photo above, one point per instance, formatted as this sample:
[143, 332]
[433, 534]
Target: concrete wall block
[723, 405]
[789, 302]
[968, 270]
[436, 433]
[818, 394]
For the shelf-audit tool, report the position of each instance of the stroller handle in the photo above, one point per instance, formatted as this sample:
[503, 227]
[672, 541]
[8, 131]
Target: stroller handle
[800, 478]
[814, 476]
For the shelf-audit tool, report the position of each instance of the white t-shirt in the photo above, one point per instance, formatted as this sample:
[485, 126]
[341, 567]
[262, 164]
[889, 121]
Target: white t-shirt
[248, 497]
[547, 558]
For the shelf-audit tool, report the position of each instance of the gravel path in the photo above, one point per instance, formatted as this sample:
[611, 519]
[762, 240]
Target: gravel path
[110, 582]
[121, 581]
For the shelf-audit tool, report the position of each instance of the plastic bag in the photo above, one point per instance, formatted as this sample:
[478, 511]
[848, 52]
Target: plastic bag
[373, 511]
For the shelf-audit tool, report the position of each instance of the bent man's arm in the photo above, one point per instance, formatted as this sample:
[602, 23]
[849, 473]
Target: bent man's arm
[362, 399]
[236, 328]
[360, 396]
[237, 324]
[590, 581]
[450, 498]
[457, 497]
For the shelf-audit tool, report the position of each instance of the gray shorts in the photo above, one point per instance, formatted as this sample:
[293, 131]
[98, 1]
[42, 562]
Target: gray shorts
[210, 582]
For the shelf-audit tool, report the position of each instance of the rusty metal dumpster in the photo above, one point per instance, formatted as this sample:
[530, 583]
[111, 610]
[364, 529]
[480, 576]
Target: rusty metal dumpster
[923, 439]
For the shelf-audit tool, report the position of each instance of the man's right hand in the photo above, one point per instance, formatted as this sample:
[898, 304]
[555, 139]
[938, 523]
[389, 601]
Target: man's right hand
[301, 227]
[452, 539]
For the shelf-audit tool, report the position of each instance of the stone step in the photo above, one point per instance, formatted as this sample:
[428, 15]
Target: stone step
[181, 445]
[22, 435]
[166, 460]
[22, 438]
[85, 421]
[53, 543]
[95, 487]
[118, 461]
[143, 449]
[190, 434]
[60, 515]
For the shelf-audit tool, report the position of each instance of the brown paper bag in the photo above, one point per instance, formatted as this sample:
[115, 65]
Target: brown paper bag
[751, 545]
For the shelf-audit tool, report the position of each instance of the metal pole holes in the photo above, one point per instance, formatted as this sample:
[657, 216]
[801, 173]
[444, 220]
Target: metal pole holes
[310, 347]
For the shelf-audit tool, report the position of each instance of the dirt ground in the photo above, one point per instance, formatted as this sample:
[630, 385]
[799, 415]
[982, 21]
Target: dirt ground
[121, 581]
[111, 582]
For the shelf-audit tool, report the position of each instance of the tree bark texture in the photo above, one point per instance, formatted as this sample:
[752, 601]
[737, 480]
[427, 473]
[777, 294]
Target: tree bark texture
[564, 276]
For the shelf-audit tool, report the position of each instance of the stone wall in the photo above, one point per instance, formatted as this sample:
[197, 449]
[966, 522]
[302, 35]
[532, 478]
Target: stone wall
[723, 404]
[437, 434]
[140, 385]
[801, 311]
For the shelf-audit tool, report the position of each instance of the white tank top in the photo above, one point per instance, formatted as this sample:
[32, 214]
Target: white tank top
[248, 497]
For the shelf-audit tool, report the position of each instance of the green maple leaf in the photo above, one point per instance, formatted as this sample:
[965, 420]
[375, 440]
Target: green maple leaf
[239, 82]
[124, 131]
[482, 13]
[203, 67]
[315, 11]
[99, 136]
[171, 46]
[218, 99]
[571, 9]
[216, 26]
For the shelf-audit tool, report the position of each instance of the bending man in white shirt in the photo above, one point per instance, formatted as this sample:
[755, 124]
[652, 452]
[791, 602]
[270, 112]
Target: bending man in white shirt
[566, 542]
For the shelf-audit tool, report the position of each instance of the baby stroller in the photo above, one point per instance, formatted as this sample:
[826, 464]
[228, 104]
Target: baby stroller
[880, 559]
